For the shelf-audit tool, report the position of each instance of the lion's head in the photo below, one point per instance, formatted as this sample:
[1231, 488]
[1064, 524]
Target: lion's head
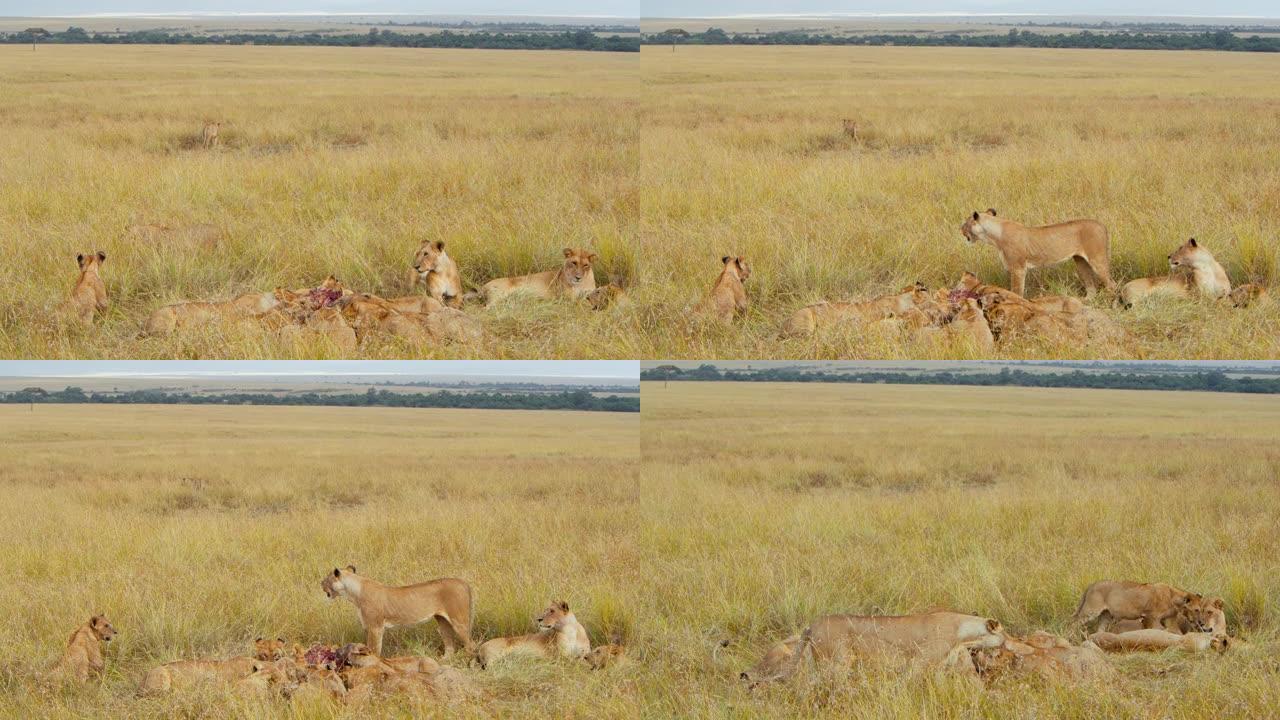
[333, 582]
[1186, 255]
[267, 649]
[102, 628]
[356, 655]
[973, 228]
[577, 265]
[738, 265]
[1198, 612]
[554, 616]
[427, 259]
[773, 666]
[90, 260]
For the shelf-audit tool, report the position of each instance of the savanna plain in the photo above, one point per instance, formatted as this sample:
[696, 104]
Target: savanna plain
[197, 529]
[784, 502]
[745, 154]
[329, 161]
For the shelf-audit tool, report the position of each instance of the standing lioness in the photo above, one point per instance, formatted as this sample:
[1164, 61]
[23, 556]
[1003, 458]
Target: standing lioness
[1023, 248]
[448, 600]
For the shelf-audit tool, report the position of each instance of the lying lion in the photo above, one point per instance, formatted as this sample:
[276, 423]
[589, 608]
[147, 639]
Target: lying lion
[573, 279]
[1155, 605]
[1155, 639]
[83, 656]
[1249, 294]
[1043, 654]
[928, 637]
[188, 673]
[1211, 610]
[913, 304]
[1207, 278]
[728, 297]
[559, 635]
[89, 296]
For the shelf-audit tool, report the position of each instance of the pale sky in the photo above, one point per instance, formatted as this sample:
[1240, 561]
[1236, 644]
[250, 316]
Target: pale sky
[721, 8]
[587, 370]
[592, 8]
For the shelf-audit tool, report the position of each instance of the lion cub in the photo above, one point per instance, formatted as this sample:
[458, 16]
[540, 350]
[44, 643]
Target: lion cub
[559, 634]
[209, 135]
[575, 278]
[728, 297]
[89, 295]
[433, 267]
[1249, 294]
[1207, 277]
[83, 656]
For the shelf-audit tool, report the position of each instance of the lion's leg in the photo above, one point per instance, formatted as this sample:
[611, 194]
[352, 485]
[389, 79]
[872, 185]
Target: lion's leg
[373, 638]
[447, 634]
[1018, 279]
[1087, 275]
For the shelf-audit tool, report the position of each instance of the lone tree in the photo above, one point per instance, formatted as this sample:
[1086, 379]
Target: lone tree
[674, 34]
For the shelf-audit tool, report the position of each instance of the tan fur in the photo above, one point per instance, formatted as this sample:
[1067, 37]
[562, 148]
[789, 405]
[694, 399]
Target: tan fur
[1155, 639]
[89, 296]
[1208, 616]
[1023, 248]
[607, 656]
[329, 323]
[609, 295]
[1206, 278]
[728, 297]
[559, 635]
[913, 303]
[1156, 605]
[1042, 654]
[366, 314]
[778, 663]
[1250, 294]
[378, 606]
[209, 135]
[574, 278]
[433, 267]
[968, 326]
[170, 318]
[928, 637]
[850, 128]
[83, 657]
[188, 673]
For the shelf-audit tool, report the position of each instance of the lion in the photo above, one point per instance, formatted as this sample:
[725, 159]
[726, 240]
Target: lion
[433, 267]
[269, 657]
[850, 128]
[170, 318]
[366, 313]
[359, 655]
[1157, 605]
[930, 637]
[1207, 278]
[913, 303]
[1023, 248]
[966, 325]
[605, 296]
[574, 279]
[1249, 294]
[609, 655]
[83, 657]
[89, 296]
[209, 135]
[329, 323]
[1046, 655]
[1154, 639]
[448, 600]
[322, 682]
[1008, 319]
[728, 297]
[559, 634]
[1210, 613]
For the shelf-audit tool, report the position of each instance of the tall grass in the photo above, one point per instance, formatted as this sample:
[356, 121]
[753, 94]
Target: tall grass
[333, 161]
[780, 503]
[198, 529]
[744, 153]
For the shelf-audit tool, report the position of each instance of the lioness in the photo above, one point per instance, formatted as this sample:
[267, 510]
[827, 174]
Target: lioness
[188, 673]
[1157, 639]
[850, 128]
[779, 661]
[1157, 605]
[89, 294]
[359, 655]
[209, 135]
[728, 297]
[1207, 277]
[559, 634]
[448, 600]
[967, 325]
[1046, 655]
[433, 266]
[169, 318]
[575, 278]
[608, 295]
[83, 656]
[1210, 613]
[1249, 294]
[927, 637]
[1023, 248]
[367, 313]
[912, 303]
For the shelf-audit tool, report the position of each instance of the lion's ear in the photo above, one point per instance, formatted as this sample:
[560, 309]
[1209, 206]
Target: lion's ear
[1216, 604]
[80, 259]
[337, 572]
[102, 257]
[1192, 242]
[993, 625]
[568, 252]
[592, 257]
[259, 639]
[725, 260]
[352, 568]
[440, 246]
[975, 214]
[1181, 600]
[991, 210]
[280, 640]
[563, 605]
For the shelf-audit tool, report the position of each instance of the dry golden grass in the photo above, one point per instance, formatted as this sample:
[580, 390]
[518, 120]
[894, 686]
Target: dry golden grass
[779, 503]
[744, 154]
[333, 160]
[197, 529]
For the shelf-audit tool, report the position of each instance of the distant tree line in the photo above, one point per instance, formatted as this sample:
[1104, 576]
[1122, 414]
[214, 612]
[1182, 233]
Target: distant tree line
[567, 400]
[1210, 381]
[567, 40]
[1209, 40]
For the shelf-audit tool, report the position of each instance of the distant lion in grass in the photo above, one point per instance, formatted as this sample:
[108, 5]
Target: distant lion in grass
[433, 267]
[728, 296]
[1023, 248]
[850, 128]
[83, 657]
[573, 279]
[89, 296]
[559, 635]
[1207, 278]
[449, 601]
[209, 136]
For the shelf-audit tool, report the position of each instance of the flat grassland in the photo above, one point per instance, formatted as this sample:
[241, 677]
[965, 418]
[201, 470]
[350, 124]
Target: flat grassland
[745, 155]
[333, 160]
[198, 529]
[785, 502]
